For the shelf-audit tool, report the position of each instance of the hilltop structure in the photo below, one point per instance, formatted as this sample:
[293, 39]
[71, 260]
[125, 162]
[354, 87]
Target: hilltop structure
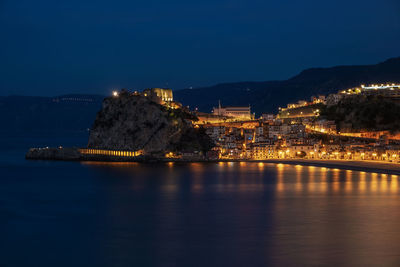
[388, 90]
[165, 94]
[162, 96]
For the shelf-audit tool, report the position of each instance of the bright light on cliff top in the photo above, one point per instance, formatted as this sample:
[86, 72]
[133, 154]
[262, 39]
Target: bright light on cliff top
[115, 93]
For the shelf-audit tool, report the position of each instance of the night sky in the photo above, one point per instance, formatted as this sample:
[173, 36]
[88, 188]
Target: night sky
[52, 47]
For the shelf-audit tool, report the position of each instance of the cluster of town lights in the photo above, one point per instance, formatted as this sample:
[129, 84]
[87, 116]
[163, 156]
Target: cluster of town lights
[382, 86]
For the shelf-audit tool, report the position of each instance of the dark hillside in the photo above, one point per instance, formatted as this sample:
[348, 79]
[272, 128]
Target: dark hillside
[268, 96]
[373, 113]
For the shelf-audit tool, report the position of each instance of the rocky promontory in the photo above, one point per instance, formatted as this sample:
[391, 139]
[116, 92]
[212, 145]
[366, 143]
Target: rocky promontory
[135, 122]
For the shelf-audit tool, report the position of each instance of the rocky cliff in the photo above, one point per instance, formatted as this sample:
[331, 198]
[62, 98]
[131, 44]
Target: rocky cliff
[134, 122]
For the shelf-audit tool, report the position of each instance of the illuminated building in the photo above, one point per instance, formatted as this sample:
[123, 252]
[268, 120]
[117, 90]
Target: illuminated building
[260, 151]
[381, 87]
[164, 94]
[268, 117]
[242, 113]
[210, 118]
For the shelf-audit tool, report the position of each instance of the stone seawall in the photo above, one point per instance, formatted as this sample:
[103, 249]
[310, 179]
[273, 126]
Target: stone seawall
[54, 154]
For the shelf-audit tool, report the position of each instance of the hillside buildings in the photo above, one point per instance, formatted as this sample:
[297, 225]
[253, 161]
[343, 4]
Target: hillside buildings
[299, 132]
[302, 109]
[279, 140]
[302, 103]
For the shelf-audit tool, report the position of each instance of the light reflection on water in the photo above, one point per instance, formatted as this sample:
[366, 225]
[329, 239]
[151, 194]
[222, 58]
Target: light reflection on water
[288, 214]
[286, 179]
[205, 214]
[246, 176]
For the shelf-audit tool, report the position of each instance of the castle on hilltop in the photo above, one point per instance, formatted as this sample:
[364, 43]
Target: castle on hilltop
[164, 94]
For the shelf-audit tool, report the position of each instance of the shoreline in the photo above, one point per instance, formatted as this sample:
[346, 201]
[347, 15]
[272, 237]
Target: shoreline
[355, 165]
[365, 166]
[72, 154]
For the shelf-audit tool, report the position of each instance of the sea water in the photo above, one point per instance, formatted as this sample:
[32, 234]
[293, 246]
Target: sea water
[55, 213]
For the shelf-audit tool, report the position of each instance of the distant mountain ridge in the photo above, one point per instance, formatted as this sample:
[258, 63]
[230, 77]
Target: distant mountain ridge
[76, 112]
[268, 96]
[48, 114]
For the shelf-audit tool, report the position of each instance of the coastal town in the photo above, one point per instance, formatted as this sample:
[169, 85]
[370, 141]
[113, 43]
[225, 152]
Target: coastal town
[300, 130]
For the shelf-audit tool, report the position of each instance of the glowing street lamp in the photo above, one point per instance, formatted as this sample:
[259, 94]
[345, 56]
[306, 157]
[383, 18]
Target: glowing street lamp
[115, 93]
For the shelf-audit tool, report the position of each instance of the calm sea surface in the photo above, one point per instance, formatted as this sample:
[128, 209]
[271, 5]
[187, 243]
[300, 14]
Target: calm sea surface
[226, 214]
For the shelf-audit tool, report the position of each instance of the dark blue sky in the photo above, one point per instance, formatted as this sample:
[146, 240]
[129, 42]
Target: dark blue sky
[51, 47]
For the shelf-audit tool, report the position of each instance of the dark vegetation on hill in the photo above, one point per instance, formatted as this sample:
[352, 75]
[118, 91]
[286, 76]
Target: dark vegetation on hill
[373, 113]
[268, 96]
